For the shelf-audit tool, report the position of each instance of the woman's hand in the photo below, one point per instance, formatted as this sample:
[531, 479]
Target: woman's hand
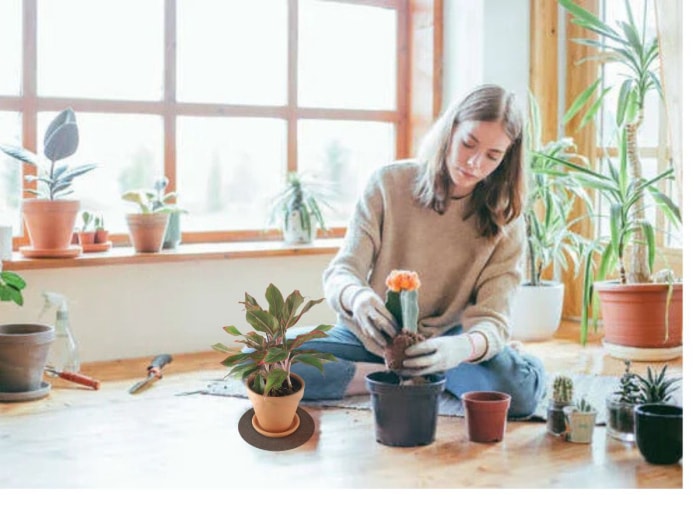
[438, 354]
[374, 319]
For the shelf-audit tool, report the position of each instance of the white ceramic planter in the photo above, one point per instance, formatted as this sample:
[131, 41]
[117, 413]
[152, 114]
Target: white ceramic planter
[537, 311]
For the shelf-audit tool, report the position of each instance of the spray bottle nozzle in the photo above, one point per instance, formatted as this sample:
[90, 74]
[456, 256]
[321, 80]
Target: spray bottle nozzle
[52, 299]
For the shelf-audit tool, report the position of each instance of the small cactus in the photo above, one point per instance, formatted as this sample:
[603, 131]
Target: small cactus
[583, 406]
[402, 302]
[562, 389]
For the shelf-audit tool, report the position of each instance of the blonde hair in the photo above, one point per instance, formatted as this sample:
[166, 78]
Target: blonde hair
[498, 199]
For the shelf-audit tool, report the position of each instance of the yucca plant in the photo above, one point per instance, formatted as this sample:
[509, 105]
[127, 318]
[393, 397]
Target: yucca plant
[60, 141]
[269, 355]
[549, 204]
[655, 387]
[632, 45]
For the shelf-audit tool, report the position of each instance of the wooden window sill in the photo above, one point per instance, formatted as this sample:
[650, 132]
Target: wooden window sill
[185, 252]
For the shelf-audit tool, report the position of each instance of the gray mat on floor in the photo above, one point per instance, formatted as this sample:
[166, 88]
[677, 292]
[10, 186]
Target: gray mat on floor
[594, 388]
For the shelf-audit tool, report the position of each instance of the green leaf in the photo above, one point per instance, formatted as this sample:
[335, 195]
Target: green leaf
[21, 154]
[276, 302]
[232, 330]
[262, 321]
[222, 348]
[237, 359]
[317, 333]
[276, 354]
[14, 280]
[304, 310]
[274, 380]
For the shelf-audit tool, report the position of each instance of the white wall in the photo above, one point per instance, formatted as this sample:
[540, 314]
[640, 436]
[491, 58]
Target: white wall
[126, 311]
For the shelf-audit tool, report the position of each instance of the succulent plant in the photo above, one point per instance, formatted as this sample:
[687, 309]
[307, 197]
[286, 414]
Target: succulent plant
[656, 387]
[60, 141]
[628, 390]
[153, 200]
[562, 389]
[583, 406]
[402, 302]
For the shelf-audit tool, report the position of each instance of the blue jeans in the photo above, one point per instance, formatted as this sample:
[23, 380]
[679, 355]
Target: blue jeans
[520, 375]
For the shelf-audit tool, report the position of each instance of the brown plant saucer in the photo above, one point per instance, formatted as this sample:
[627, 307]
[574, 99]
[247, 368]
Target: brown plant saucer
[298, 437]
[71, 252]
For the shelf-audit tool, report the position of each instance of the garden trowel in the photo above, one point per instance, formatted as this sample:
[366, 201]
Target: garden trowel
[155, 372]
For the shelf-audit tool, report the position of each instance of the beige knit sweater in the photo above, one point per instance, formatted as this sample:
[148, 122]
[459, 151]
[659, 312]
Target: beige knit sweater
[465, 279]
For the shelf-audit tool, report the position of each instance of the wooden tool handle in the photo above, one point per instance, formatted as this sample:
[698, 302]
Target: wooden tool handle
[81, 379]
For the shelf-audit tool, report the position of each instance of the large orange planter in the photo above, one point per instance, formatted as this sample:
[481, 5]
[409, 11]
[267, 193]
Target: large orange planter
[634, 320]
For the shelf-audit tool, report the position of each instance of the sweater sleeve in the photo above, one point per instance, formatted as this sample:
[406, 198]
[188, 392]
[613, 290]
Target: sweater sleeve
[348, 272]
[495, 290]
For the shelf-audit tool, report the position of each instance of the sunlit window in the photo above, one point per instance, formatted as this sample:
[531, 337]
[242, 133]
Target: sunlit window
[223, 97]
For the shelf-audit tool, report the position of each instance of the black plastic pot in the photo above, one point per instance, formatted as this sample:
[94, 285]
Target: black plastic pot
[658, 432]
[404, 415]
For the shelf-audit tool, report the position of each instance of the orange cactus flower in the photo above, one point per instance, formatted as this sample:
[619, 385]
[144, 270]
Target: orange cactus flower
[402, 280]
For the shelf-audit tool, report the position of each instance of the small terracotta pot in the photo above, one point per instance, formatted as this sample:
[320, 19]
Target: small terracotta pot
[276, 414]
[147, 230]
[101, 236]
[24, 348]
[86, 237]
[486, 415]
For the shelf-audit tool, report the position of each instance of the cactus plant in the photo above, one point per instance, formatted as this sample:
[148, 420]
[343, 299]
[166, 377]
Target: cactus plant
[562, 389]
[60, 141]
[583, 406]
[402, 302]
[562, 395]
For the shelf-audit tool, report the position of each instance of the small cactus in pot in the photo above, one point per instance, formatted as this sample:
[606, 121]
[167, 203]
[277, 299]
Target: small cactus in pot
[562, 396]
[402, 302]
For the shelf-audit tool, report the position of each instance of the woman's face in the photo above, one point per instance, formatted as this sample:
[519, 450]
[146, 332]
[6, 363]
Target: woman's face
[476, 149]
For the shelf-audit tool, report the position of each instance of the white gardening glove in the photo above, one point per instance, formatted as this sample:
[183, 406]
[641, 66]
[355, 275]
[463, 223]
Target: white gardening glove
[374, 319]
[437, 354]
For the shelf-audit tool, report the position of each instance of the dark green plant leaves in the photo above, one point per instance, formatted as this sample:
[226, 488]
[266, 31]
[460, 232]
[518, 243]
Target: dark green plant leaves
[11, 286]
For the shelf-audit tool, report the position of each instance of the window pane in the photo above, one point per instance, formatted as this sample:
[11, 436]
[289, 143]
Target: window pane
[101, 49]
[128, 151]
[10, 172]
[347, 55]
[232, 52]
[10, 46]
[346, 153]
[228, 168]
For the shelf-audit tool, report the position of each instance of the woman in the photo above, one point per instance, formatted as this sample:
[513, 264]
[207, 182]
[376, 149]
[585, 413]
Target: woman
[453, 215]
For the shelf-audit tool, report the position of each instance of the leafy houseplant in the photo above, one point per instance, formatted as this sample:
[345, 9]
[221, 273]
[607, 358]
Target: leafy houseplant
[628, 252]
[562, 396]
[298, 208]
[551, 241]
[50, 217]
[11, 286]
[147, 227]
[265, 363]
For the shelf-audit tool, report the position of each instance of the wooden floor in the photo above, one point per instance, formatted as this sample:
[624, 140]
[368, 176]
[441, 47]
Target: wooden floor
[79, 438]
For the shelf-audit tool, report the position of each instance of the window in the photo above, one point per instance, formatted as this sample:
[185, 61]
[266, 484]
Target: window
[652, 137]
[225, 98]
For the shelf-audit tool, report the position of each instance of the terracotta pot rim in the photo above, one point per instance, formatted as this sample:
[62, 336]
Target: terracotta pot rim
[612, 286]
[249, 380]
[474, 396]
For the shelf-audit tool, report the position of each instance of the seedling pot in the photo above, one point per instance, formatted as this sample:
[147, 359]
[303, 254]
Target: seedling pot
[659, 432]
[486, 415]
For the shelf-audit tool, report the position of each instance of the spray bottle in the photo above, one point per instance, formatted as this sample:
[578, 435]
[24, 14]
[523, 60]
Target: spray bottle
[63, 355]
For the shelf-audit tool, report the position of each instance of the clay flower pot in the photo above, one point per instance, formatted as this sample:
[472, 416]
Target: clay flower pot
[276, 416]
[147, 230]
[24, 349]
[50, 223]
[486, 415]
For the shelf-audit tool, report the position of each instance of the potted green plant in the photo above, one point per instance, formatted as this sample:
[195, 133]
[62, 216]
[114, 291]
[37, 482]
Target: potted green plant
[24, 348]
[580, 421]
[86, 234]
[405, 408]
[265, 363]
[101, 232]
[299, 208]
[551, 241]
[147, 227]
[561, 397]
[50, 217]
[618, 267]
[634, 389]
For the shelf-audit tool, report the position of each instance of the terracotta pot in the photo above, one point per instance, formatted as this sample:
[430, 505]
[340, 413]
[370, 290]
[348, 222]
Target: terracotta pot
[50, 223]
[23, 352]
[404, 414]
[147, 230]
[659, 432]
[101, 236]
[634, 320]
[86, 237]
[485, 415]
[276, 414]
